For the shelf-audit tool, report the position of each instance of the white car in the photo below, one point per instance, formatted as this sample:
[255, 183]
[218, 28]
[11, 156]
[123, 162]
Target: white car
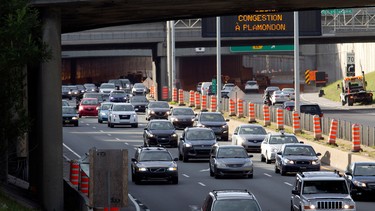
[291, 92]
[122, 114]
[272, 144]
[139, 89]
[279, 97]
[107, 88]
[251, 86]
[205, 88]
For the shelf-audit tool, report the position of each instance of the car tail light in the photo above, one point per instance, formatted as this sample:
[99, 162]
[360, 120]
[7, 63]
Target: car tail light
[288, 108]
[80, 108]
[320, 115]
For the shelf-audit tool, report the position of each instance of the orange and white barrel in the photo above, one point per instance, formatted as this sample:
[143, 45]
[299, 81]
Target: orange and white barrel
[165, 93]
[356, 138]
[204, 103]
[197, 100]
[181, 97]
[152, 91]
[280, 119]
[74, 173]
[296, 122]
[213, 103]
[232, 107]
[239, 108]
[85, 181]
[191, 98]
[333, 132]
[266, 114]
[174, 95]
[251, 113]
[317, 128]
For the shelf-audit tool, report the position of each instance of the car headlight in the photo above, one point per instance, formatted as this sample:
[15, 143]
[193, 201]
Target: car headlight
[69, 92]
[309, 207]
[102, 113]
[74, 118]
[172, 169]
[142, 169]
[152, 112]
[174, 120]
[200, 125]
[168, 112]
[193, 119]
[287, 161]
[220, 165]
[248, 164]
[315, 162]
[225, 126]
[114, 115]
[349, 206]
[359, 184]
[174, 135]
[188, 145]
[274, 150]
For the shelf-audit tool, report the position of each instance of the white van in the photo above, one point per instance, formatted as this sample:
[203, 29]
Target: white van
[205, 88]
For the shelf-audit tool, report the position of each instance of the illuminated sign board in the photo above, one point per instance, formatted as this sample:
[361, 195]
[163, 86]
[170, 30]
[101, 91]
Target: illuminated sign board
[264, 24]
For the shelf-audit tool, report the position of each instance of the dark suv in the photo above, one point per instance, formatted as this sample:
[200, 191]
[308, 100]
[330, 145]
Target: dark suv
[312, 109]
[157, 110]
[231, 199]
[215, 121]
[154, 163]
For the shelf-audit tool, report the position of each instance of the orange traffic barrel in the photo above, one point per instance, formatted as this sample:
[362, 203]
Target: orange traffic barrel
[174, 95]
[356, 138]
[181, 97]
[152, 91]
[279, 119]
[316, 127]
[165, 93]
[296, 122]
[239, 108]
[197, 100]
[191, 98]
[85, 180]
[333, 132]
[266, 114]
[232, 108]
[213, 103]
[74, 173]
[204, 103]
[251, 113]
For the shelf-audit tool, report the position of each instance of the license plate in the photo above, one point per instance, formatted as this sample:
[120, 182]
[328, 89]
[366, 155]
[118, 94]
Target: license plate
[67, 121]
[136, 109]
[163, 138]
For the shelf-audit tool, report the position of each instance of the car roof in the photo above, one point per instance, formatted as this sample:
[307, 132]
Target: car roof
[297, 144]
[152, 149]
[198, 128]
[115, 104]
[281, 134]
[159, 120]
[250, 125]
[233, 194]
[230, 146]
[205, 112]
[182, 108]
[89, 98]
[364, 162]
[320, 175]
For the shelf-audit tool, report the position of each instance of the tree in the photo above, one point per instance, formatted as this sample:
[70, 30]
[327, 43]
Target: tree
[20, 45]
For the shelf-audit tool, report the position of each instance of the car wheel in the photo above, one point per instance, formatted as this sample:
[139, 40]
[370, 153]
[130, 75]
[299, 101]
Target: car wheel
[262, 159]
[80, 116]
[276, 170]
[76, 124]
[291, 206]
[100, 121]
[174, 180]
[111, 125]
[268, 161]
[179, 156]
[216, 175]
[283, 173]
[185, 158]
[108, 124]
[135, 125]
[211, 172]
[250, 176]
[224, 138]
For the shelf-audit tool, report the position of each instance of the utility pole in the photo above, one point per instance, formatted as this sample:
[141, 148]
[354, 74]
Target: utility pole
[218, 63]
[296, 63]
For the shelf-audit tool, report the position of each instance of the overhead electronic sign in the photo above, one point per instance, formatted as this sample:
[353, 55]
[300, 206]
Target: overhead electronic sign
[262, 24]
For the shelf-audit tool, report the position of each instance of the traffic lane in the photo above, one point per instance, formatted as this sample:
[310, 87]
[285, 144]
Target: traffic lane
[360, 116]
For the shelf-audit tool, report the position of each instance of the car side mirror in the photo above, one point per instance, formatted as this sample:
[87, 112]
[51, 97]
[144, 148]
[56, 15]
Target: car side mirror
[318, 154]
[302, 142]
[171, 107]
[181, 138]
[348, 173]
[145, 128]
[213, 156]
[295, 192]
[227, 120]
[175, 159]
[279, 153]
[235, 133]
[250, 156]
[134, 160]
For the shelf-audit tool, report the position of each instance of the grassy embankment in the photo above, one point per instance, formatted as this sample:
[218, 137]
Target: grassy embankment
[11, 205]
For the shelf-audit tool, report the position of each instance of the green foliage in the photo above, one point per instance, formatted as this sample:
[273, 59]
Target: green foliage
[10, 205]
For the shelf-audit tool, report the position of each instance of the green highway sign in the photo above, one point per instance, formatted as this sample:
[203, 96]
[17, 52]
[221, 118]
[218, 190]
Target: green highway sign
[261, 48]
[336, 11]
[214, 85]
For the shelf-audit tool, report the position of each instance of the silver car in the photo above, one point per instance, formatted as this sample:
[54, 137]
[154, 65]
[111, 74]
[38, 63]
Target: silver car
[250, 136]
[272, 145]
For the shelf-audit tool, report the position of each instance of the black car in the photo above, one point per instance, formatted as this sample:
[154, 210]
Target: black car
[118, 96]
[196, 143]
[312, 109]
[182, 117]
[361, 179]
[150, 163]
[157, 110]
[160, 132]
[296, 158]
[69, 115]
[90, 87]
[65, 92]
[215, 121]
[288, 105]
[139, 102]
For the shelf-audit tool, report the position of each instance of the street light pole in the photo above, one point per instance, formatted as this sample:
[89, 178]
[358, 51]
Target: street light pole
[218, 63]
[296, 63]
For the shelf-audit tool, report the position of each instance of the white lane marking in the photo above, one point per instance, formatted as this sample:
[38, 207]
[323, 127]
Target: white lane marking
[203, 170]
[94, 127]
[126, 143]
[87, 124]
[287, 183]
[118, 139]
[202, 184]
[72, 151]
[134, 202]
[268, 175]
[185, 175]
[109, 134]
[101, 131]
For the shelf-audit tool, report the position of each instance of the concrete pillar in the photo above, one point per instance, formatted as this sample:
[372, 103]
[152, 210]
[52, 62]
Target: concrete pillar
[49, 116]
[161, 62]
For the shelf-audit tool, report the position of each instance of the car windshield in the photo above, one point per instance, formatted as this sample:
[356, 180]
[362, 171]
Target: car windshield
[139, 86]
[139, 99]
[107, 86]
[253, 130]
[69, 110]
[161, 126]
[235, 205]
[319, 187]
[118, 94]
[288, 90]
[72, 88]
[212, 118]
[364, 170]
[65, 103]
[183, 112]
[283, 139]
[65, 88]
[90, 102]
[122, 108]
[309, 109]
[251, 83]
[105, 106]
[155, 156]
[299, 150]
[200, 135]
[232, 153]
[94, 95]
[158, 105]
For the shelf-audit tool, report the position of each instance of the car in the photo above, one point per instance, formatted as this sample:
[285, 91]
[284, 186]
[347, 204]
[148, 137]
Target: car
[88, 107]
[106, 88]
[251, 86]
[199, 85]
[291, 92]
[139, 102]
[312, 109]
[139, 89]
[117, 83]
[196, 143]
[160, 132]
[205, 88]
[118, 96]
[73, 91]
[154, 163]
[90, 87]
[230, 160]
[182, 117]
[288, 105]
[361, 179]
[279, 97]
[81, 88]
[230, 199]
[65, 92]
[272, 144]
[215, 121]
[321, 190]
[69, 115]
[65, 103]
[122, 114]
[98, 96]
[296, 157]
[267, 94]
[227, 88]
[126, 85]
[250, 136]
[103, 111]
[157, 110]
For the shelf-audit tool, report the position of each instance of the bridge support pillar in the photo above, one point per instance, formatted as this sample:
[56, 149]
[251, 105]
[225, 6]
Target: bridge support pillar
[161, 66]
